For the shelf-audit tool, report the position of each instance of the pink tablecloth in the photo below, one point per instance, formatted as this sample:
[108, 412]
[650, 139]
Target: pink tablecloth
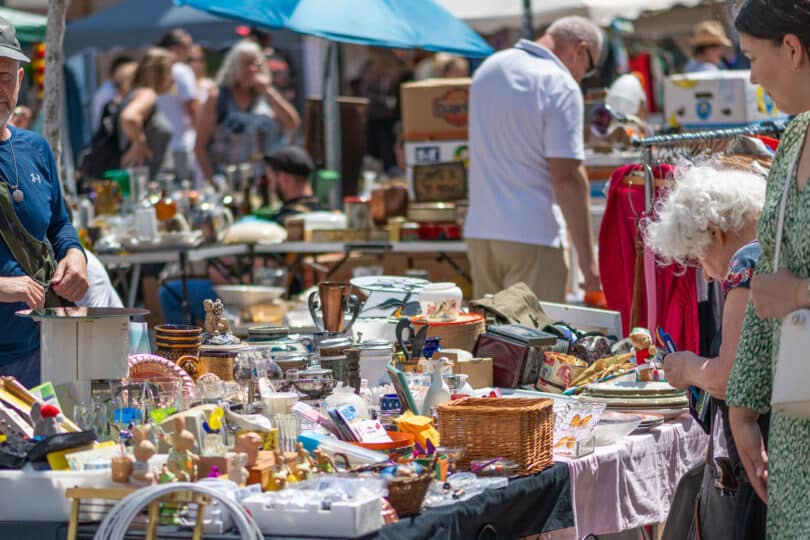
[631, 483]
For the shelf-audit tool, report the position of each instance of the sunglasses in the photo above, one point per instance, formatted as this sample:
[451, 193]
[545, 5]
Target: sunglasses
[591, 64]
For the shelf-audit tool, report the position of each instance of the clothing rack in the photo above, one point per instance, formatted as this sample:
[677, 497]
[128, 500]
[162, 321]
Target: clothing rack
[646, 144]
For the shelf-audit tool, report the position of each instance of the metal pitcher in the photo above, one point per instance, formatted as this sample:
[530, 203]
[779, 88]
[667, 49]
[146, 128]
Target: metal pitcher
[335, 301]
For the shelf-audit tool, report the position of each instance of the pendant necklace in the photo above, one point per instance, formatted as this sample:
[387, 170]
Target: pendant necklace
[16, 192]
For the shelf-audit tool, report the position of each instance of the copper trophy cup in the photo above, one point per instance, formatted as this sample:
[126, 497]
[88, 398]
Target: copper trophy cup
[335, 301]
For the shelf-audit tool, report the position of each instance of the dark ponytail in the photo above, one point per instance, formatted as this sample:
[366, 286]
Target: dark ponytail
[774, 19]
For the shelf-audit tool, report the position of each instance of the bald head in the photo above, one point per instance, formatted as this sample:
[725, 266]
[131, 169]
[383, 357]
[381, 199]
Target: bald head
[577, 42]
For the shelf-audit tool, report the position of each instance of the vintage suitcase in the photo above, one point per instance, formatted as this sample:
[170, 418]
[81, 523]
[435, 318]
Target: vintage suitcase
[516, 352]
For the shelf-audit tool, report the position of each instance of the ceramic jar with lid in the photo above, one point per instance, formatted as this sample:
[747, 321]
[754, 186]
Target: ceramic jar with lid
[334, 346]
[440, 302]
[277, 337]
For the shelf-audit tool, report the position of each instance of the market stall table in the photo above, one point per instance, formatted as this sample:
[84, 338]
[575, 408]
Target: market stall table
[634, 479]
[181, 256]
[528, 506]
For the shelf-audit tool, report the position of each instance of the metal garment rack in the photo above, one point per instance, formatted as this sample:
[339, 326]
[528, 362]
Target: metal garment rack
[683, 139]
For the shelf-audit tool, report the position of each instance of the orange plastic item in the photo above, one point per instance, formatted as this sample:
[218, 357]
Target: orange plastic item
[401, 445]
[596, 299]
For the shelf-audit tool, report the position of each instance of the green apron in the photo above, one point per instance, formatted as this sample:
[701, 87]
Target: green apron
[34, 256]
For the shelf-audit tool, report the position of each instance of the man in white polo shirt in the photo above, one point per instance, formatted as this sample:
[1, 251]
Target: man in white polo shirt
[527, 179]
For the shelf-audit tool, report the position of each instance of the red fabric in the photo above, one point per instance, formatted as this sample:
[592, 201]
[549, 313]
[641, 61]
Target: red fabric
[641, 63]
[770, 142]
[676, 290]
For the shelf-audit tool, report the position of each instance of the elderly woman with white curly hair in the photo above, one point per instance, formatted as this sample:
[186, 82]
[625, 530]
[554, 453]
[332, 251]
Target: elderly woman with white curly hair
[245, 117]
[710, 217]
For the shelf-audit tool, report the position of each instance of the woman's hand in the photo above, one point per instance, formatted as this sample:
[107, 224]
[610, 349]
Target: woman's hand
[750, 446]
[676, 368]
[139, 153]
[22, 289]
[260, 82]
[775, 295]
[70, 278]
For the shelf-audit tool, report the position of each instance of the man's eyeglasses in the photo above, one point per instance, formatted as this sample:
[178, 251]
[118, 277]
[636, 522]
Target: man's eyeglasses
[591, 64]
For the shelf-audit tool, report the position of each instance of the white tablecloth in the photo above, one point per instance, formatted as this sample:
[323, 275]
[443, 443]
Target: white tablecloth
[631, 483]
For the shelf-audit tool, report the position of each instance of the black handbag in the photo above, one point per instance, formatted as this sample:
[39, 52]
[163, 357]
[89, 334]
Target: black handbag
[704, 503]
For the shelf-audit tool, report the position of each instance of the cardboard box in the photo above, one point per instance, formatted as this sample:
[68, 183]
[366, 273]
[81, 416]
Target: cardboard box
[435, 109]
[478, 370]
[716, 100]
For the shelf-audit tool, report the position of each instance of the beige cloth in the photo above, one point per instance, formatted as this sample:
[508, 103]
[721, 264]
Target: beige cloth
[497, 265]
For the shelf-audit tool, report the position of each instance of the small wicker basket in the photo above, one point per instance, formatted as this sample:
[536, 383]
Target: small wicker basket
[406, 494]
[520, 429]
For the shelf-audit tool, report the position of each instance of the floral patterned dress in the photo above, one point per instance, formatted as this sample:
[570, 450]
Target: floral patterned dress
[751, 377]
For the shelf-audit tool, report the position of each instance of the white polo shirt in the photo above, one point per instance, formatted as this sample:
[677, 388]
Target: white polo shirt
[525, 107]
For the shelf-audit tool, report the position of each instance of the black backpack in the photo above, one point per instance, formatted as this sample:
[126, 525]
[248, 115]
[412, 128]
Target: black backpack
[103, 153]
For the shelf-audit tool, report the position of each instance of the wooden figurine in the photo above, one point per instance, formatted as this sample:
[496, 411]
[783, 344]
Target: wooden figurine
[250, 444]
[142, 474]
[182, 461]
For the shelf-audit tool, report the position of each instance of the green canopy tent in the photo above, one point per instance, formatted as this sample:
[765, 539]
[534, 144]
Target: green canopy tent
[30, 27]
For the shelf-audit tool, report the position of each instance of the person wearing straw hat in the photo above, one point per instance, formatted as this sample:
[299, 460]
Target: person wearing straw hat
[709, 41]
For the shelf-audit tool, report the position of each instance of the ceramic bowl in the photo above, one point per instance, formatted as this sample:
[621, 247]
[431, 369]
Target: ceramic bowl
[177, 345]
[178, 330]
[242, 296]
[614, 426]
[314, 388]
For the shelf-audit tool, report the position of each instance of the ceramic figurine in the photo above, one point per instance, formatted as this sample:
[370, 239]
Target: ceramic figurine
[438, 391]
[143, 450]
[249, 444]
[237, 472]
[166, 476]
[216, 328]
[645, 352]
[323, 462]
[181, 461]
[306, 465]
[278, 479]
[47, 419]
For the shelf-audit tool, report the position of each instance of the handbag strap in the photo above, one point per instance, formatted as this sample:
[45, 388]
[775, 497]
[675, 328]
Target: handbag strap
[780, 223]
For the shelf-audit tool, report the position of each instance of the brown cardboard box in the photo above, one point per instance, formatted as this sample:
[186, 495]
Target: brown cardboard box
[435, 109]
[479, 371]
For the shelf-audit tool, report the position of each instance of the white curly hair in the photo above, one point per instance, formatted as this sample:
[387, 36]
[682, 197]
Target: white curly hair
[229, 72]
[703, 195]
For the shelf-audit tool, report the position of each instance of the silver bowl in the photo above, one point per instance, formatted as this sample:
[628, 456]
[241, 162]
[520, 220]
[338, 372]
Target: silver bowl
[314, 388]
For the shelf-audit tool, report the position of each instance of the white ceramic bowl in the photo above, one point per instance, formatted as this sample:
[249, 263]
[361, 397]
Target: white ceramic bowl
[242, 296]
[614, 426]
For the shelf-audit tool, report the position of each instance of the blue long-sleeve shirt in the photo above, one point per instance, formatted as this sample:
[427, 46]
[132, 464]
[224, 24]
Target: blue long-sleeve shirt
[44, 215]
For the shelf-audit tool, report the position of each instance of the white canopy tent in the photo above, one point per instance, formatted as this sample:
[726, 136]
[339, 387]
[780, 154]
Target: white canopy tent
[487, 16]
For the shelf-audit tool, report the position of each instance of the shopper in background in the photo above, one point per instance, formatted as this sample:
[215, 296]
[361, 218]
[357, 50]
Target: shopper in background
[144, 132]
[114, 88]
[179, 103]
[289, 170]
[244, 116]
[710, 216]
[527, 180]
[709, 43]
[448, 66]
[775, 36]
[42, 262]
[196, 61]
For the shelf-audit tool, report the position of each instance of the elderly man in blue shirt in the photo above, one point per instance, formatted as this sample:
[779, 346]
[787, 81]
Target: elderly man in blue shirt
[42, 262]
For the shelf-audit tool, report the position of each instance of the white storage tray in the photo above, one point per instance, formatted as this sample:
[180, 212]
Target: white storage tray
[343, 520]
[40, 495]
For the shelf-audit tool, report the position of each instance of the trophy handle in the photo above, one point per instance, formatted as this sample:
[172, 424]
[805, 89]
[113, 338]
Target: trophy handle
[313, 302]
[353, 304]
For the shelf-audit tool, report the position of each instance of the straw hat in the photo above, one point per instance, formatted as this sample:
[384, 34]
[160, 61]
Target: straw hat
[709, 34]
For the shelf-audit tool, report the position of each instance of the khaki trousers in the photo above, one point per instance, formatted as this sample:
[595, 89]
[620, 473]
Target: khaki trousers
[497, 265]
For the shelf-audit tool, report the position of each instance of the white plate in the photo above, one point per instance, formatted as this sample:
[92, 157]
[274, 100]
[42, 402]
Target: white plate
[242, 296]
[639, 402]
[633, 388]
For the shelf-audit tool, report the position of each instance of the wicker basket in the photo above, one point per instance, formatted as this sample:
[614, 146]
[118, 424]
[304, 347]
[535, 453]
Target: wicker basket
[520, 429]
[406, 494]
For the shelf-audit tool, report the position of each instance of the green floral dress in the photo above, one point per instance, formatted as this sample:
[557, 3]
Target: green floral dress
[751, 377]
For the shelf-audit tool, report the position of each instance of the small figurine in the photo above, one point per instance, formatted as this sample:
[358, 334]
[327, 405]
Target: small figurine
[181, 461]
[323, 462]
[215, 321]
[278, 479]
[306, 465]
[47, 419]
[645, 352]
[249, 444]
[166, 476]
[143, 451]
[237, 472]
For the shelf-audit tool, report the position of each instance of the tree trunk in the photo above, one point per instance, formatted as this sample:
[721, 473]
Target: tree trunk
[52, 104]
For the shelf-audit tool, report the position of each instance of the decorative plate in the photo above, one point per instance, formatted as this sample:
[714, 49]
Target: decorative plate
[632, 388]
[147, 366]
